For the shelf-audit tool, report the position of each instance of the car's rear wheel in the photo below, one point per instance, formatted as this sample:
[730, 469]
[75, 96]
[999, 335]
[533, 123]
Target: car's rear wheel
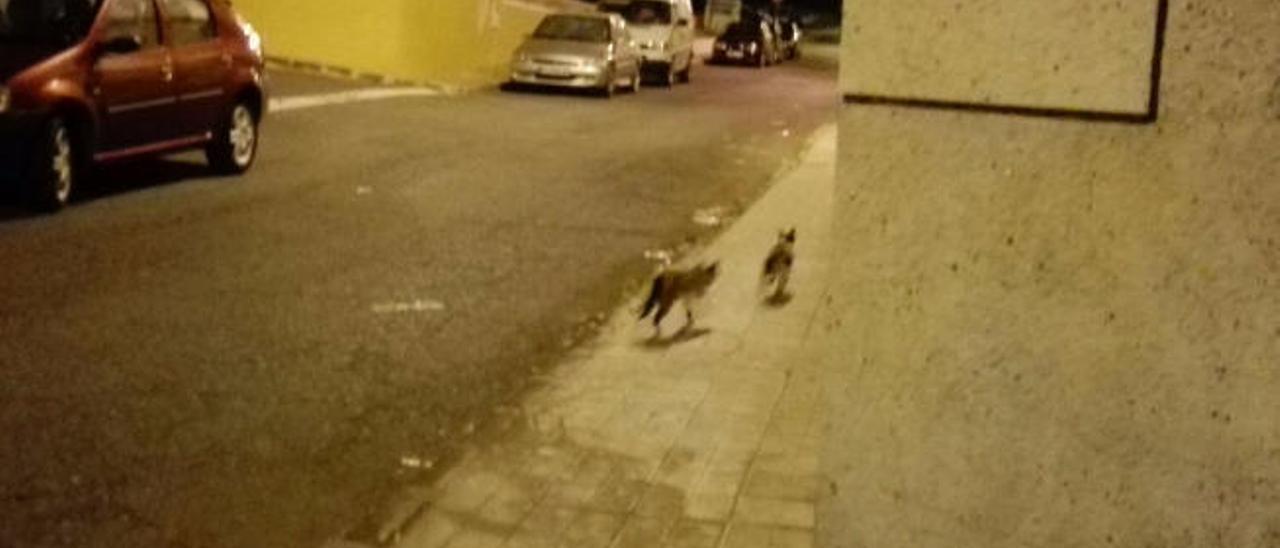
[54, 172]
[235, 140]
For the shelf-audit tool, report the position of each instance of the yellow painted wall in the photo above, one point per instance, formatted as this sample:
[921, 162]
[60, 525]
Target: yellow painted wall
[454, 42]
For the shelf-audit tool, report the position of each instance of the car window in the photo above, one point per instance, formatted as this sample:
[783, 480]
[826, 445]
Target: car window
[742, 30]
[189, 21]
[133, 18]
[578, 29]
[648, 12]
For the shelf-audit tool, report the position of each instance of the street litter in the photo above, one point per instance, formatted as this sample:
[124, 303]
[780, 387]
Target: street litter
[420, 305]
[417, 463]
[711, 216]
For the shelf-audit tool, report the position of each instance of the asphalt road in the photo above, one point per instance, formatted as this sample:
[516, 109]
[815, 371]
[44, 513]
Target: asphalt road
[195, 361]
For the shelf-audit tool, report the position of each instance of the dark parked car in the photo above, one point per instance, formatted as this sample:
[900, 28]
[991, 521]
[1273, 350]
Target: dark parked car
[747, 41]
[91, 81]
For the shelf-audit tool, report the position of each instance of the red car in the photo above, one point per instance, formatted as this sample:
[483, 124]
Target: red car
[91, 81]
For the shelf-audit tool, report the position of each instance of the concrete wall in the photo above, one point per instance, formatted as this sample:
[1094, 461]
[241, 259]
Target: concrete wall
[1061, 333]
[455, 42]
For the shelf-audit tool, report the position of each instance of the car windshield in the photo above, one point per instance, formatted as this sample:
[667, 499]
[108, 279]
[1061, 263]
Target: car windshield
[46, 21]
[743, 30]
[648, 12]
[578, 29]
[620, 9]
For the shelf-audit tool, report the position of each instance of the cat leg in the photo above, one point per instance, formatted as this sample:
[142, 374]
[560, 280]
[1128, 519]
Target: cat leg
[663, 307]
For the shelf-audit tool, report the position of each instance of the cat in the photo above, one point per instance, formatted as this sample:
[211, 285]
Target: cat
[777, 266]
[678, 285]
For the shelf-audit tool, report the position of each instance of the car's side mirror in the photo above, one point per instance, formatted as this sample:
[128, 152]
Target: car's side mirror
[121, 45]
[683, 22]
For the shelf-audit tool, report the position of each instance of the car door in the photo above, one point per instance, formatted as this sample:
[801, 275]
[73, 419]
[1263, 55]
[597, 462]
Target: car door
[202, 64]
[132, 77]
[624, 47]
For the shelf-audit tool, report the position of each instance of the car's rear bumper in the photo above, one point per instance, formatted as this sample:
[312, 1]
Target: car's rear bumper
[19, 131]
[735, 56]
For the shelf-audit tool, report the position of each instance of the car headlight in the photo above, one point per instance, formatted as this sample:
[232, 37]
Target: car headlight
[721, 45]
[255, 39]
[4, 99]
[752, 47]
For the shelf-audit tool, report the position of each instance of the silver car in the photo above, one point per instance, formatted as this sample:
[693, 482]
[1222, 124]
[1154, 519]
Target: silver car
[587, 51]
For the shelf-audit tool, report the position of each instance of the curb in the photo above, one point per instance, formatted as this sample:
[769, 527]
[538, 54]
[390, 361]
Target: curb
[344, 73]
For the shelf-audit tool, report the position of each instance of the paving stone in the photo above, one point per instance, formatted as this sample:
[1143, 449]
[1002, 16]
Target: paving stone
[788, 513]
[774, 485]
[689, 533]
[643, 532]
[591, 530]
[748, 535]
[709, 507]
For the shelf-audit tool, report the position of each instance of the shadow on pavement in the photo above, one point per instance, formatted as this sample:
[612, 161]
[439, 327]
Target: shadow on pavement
[778, 300]
[114, 179]
[681, 336]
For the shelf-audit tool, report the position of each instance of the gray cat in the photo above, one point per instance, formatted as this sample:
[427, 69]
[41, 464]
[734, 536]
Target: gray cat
[678, 285]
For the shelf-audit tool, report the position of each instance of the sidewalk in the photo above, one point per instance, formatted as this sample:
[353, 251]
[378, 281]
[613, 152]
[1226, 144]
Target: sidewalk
[708, 442]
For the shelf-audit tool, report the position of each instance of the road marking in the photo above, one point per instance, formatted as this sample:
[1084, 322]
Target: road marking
[284, 104]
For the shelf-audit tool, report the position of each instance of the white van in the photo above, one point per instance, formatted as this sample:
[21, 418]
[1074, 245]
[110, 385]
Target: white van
[663, 31]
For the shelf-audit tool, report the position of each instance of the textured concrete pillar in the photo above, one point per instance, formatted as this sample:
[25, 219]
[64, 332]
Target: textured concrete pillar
[1082, 55]
[1052, 330]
